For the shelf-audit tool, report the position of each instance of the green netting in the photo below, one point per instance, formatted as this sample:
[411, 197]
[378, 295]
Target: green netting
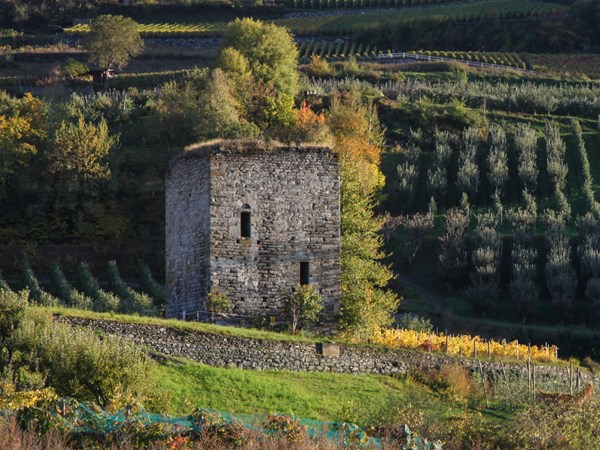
[87, 419]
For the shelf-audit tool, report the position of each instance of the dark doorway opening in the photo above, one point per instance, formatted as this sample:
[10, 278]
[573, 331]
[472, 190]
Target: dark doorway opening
[304, 273]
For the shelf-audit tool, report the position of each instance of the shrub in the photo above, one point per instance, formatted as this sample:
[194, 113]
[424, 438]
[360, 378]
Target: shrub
[36, 293]
[458, 380]
[218, 303]
[102, 301]
[486, 258]
[59, 286]
[31, 282]
[151, 287]
[13, 306]
[64, 291]
[106, 302]
[80, 301]
[526, 143]
[410, 321]
[116, 283]
[497, 159]
[319, 66]
[73, 68]
[285, 426]
[558, 425]
[229, 435]
[86, 282]
[416, 228]
[351, 68]
[302, 307]
[437, 176]
[468, 170]
[108, 371]
[3, 284]
[561, 278]
[452, 259]
[131, 301]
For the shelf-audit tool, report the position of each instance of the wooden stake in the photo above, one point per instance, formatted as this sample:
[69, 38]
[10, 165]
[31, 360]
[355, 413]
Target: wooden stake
[487, 403]
[534, 381]
[503, 370]
[474, 349]
[528, 375]
[571, 377]
[489, 351]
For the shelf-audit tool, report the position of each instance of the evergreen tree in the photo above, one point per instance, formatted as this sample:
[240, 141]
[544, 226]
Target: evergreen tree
[366, 304]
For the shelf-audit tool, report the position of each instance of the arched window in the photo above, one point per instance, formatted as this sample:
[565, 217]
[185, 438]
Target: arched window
[245, 222]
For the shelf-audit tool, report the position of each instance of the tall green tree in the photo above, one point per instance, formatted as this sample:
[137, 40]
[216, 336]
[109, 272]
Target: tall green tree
[112, 42]
[366, 304]
[221, 112]
[23, 130]
[80, 152]
[263, 57]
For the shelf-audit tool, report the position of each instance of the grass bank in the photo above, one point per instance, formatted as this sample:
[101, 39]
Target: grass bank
[250, 333]
[362, 399]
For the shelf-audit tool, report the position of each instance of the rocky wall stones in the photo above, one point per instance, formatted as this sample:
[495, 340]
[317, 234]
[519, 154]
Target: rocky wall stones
[187, 236]
[229, 351]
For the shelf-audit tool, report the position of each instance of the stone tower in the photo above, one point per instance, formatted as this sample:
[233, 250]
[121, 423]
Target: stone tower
[251, 221]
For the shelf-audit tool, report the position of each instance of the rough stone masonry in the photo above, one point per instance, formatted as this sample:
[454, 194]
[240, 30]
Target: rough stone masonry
[251, 220]
[221, 350]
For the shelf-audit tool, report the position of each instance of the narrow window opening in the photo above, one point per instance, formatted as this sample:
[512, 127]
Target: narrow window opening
[304, 273]
[246, 224]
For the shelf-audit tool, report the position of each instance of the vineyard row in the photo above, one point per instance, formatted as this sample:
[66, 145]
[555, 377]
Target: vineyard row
[465, 345]
[352, 23]
[349, 4]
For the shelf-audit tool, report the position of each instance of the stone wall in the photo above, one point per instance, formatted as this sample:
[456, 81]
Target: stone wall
[227, 351]
[292, 196]
[187, 235]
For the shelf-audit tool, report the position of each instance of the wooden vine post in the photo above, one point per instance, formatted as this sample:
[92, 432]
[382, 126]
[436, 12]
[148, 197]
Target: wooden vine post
[487, 402]
[533, 385]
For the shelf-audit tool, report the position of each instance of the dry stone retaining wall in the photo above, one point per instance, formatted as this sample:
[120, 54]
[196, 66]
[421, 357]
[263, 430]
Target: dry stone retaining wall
[228, 351]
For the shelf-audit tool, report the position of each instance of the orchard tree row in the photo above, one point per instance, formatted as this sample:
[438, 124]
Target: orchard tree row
[495, 161]
[515, 253]
[574, 99]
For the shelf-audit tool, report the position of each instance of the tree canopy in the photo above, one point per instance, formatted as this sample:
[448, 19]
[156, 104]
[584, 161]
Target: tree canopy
[113, 41]
[262, 59]
[80, 151]
[358, 138]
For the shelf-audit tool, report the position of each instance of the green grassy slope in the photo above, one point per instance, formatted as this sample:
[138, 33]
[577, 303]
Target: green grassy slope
[249, 333]
[322, 396]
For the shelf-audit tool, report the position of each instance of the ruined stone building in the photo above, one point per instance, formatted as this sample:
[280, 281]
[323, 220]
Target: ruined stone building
[251, 221]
